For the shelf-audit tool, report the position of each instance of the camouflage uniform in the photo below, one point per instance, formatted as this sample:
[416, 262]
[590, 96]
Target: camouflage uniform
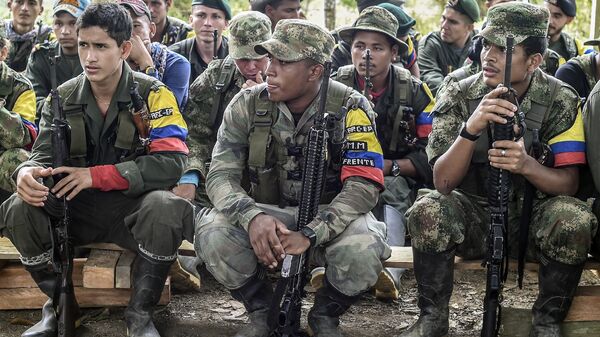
[591, 124]
[561, 227]
[175, 30]
[578, 67]
[22, 45]
[217, 85]
[349, 240]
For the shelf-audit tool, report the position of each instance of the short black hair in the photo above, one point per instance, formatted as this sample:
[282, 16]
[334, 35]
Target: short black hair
[533, 45]
[111, 17]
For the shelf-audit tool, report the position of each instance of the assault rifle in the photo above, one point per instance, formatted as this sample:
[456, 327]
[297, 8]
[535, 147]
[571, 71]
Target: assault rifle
[215, 49]
[294, 270]
[368, 83]
[140, 115]
[65, 303]
[498, 194]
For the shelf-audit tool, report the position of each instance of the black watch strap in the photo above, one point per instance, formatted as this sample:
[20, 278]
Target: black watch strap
[310, 234]
[465, 134]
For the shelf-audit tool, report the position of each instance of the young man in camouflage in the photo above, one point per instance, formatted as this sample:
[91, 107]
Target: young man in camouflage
[562, 12]
[454, 219]
[264, 131]
[23, 32]
[446, 50]
[207, 16]
[115, 187]
[212, 91]
[17, 117]
[169, 30]
[65, 15]
[402, 104]
[277, 10]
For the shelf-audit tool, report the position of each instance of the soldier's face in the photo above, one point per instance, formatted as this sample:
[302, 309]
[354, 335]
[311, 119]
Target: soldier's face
[158, 9]
[382, 53]
[287, 9]
[558, 19]
[100, 56]
[205, 20]
[250, 68]
[493, 60]
[65, 31]
[24, 12]
[288, 81]
[143, 27]
[454, 26]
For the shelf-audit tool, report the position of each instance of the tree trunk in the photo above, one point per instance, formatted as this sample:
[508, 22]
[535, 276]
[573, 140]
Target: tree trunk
[330, 14]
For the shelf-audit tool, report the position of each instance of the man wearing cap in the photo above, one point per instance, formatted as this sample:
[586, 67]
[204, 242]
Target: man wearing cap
[277, 9]
[402, 104]
[454, 218]
[263, 133]
[169, 29]
[444, 51]
[207, 16]
[23, 32]
[562, 12]
[342, 56]
[17, 116]
[582, 72]
[67, 66]
[153, 58]
[212, 91]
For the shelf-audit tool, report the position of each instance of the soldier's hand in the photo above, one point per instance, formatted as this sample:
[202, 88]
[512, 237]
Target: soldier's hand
[139, 54]
[294, 243]
[510, 155]
[264, 240]
[186, 191]
[29, 188]
[492, 108]
[76, 180]
[251, 83]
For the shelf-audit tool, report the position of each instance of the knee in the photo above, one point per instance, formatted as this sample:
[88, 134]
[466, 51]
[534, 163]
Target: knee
[427, 222]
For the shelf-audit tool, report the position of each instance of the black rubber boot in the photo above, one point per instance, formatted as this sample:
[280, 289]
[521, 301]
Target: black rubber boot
[149, 278]
[330, 304]
[557, 285]
[435, 277]
[46, 281]
[256, 295]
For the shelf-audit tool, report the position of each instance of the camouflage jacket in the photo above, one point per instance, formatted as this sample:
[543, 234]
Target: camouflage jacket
[587, 64]
[17, 109]
[176, 30]
[401, 85]
[453, 108]
[436, 59]
[19, 51]
[187, 49]
[358, 173]
[38, 70]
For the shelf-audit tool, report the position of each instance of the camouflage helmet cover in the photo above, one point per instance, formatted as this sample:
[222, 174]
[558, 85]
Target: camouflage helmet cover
[520, 19]
[246, 30]
[295, 40]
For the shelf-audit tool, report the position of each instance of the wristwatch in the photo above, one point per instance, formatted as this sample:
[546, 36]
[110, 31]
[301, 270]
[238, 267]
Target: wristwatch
[150, 70]
[465, 134]
[395, 168]
[310, 234]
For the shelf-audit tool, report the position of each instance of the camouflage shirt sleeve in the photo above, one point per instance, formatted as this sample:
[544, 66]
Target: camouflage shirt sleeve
[229, 160]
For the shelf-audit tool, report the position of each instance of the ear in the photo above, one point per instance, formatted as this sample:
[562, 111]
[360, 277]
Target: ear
[394, 51]
[269, 10]
[126, 49]
[169, 3]
[315, 72]
[3, 53]
[191, 19]
[152, 29]
[534, 62]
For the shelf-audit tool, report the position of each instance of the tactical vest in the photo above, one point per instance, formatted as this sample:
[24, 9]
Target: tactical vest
[126, 135]
[534, 119]
[267, 153]
[224, 82]
[402, 98]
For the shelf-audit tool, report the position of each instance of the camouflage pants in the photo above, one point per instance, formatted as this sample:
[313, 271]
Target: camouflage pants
[153, 223]
[352, 260]
[9, 160]
[561, 227]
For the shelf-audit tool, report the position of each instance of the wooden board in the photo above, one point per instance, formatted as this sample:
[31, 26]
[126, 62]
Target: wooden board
[99, 270]
[517, 323]
[7, 250]
[123, 269]
[33, 298]
[14, 275]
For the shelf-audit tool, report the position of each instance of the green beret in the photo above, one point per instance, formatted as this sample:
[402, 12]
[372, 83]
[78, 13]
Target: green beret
[405, 21]
[217, 4]
[469, 8]
[522, 20]
[569, 7]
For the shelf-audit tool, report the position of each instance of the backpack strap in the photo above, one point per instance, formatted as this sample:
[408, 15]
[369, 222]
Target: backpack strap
[227, 70]
[260, 132]
[402, 98]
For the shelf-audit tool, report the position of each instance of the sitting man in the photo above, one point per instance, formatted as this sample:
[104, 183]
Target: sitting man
[263, 133]
[455, 218]
[115, 187]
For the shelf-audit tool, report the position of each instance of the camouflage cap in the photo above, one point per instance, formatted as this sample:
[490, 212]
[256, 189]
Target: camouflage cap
[520, 19]
[246, 30]
[378, 20]
[295, 39]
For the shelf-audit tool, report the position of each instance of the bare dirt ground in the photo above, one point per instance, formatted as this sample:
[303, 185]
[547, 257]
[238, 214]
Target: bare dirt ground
[211, 312]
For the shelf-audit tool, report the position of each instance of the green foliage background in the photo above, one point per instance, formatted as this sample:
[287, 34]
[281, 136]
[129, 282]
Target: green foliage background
[427, 12]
